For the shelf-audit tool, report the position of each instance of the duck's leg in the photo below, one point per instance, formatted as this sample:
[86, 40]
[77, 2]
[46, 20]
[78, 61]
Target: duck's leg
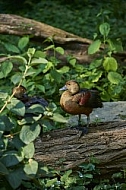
[81, 128]
[79, 120]
[88, 120]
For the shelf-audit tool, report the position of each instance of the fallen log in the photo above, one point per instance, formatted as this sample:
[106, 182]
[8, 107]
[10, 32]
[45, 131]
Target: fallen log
[63, 149]
[73, 44]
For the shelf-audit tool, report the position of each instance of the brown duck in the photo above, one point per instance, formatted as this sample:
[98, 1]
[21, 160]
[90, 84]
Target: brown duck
[78, 101]
[21, 94]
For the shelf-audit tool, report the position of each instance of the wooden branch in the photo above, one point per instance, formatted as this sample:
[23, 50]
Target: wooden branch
[73, 44]
[63, 149]
[17, 25]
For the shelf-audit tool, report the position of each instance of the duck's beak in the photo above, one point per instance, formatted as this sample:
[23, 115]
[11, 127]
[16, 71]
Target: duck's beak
[63, 88]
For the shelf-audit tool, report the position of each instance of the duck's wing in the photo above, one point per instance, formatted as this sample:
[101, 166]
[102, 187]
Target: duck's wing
[81, 97]
[88, 98]
[36, 100]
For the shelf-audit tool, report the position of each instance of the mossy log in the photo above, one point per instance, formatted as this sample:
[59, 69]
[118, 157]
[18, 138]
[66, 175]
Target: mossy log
[73, 44]
[64, 148]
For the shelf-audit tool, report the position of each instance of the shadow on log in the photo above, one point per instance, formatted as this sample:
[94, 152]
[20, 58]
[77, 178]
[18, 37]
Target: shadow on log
[64, 149]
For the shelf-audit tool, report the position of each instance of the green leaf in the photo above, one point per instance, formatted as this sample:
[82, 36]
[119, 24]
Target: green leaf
[72, 61]
[3, 95]
[49, 47]
[36, 108]
[16, 78]
[104, 29]
[1, 75]
[7, 121]
[12, 158]
[115, 45]
[94, 47]
[2, 127]
[19, 59]
[6, 68]
[90, 176]
[41, 87]
[51, 182]
[66, 175]
[105, 96]
[29, 150]
[16, 107]
[60, 50]
[114, 77]
[56, 75]
[58, 118]
[39, 53]
[30, 133]
[97, 76]
[15, 177]
[31, 167]
[110, 64]
[11, 48]
[3, 169]
[40, 60]
[64, 69]
[49, 65]
[96, 63]
[23, 42]
[31, 52]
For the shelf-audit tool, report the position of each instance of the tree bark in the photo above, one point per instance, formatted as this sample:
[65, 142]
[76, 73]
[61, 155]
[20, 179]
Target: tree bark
[65, 149]
[73, 44]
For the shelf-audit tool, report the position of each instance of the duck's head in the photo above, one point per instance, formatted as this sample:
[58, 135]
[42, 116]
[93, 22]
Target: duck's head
[19, 92]
[72, 86]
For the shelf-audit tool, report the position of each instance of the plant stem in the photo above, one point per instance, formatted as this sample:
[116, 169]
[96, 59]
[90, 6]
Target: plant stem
[23, 77]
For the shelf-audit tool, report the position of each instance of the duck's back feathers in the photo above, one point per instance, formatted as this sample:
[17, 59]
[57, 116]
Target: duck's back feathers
[88, 98]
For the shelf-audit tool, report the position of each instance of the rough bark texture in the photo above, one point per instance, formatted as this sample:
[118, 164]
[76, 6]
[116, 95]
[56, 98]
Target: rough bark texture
[73, 44]
[64, 149]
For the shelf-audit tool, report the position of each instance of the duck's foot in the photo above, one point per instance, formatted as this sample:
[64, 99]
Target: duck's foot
[83, 129]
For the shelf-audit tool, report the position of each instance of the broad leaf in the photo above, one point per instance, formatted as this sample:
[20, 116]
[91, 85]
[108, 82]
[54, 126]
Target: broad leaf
[15, 177]
[12, 158]
[30, 133]
[6, 68]
[11, 48]
[114, 77]
[23, 42]
[3, 169]
[56, 75]
[16, 78]
[17, 107]
[104, 29]
[39, 60]
[115, 45]
[60, 50]
[59, 118]
[35, 108]
[94, 47]
[110, 64]
[29, 150]
[64, 69]
[31, 167]
[7, 122]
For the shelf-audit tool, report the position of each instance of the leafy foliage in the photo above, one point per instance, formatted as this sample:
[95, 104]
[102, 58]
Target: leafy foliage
[41, 75]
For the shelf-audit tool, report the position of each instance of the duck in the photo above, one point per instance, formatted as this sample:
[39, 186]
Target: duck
[77, 101]
[20, 93]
